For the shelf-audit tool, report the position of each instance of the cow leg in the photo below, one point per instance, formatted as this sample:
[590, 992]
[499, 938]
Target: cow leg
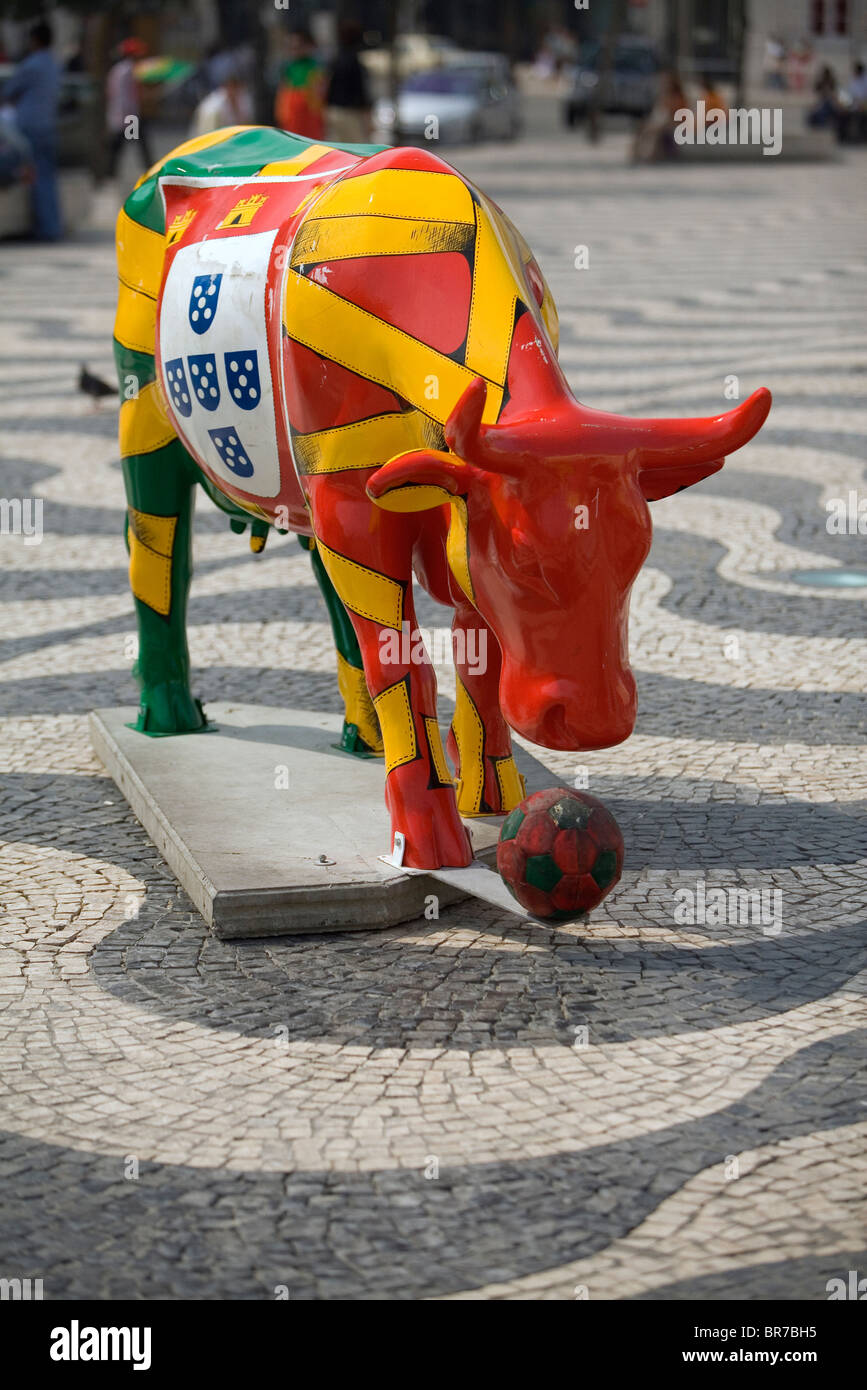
[159, 490]
[419, 790]
[361, 734]
[479, 742]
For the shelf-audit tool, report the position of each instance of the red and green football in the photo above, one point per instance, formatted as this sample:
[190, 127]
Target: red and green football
[560, 853]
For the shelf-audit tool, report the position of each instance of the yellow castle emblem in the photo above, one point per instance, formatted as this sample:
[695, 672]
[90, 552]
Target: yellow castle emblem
[179, 225]
[243, 212]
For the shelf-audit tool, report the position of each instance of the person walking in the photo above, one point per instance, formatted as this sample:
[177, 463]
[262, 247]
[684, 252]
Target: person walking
[348, 104]
[230, 104]
[298, 107]
[123, 104]
[34, 91]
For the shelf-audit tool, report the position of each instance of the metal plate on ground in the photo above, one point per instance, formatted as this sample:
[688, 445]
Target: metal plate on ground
[244, 816]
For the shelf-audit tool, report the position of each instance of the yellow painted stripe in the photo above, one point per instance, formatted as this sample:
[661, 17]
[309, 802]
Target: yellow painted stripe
[437, 753]
[496, 286]
[281, 167]
[458, 547]
[342, 332]
[413, 193]
[136, 319]
[364, 591]
[200, 142]
[156, 532]
[139, 255]
[352, 685]
[150, 566]
[551, 318]
[365, 443]
[339, 238]
[398, 726]
[470, 737]
[413, 497]
[513, 788]
[144, 422]
[548, 308]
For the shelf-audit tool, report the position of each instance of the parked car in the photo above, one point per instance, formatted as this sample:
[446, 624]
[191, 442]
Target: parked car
[629, 87]
[474, 100]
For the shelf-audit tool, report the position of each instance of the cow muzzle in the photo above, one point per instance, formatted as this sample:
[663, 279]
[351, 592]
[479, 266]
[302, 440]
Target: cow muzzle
[569, 716]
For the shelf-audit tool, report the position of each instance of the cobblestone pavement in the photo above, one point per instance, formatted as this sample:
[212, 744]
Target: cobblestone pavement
[414, 1113]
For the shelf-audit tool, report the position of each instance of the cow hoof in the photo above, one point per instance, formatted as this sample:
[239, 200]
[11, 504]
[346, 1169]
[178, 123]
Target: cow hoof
[352, 742]
[437, 845]
[169, 708]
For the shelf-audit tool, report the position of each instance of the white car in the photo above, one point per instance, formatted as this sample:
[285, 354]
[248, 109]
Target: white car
[474, 100]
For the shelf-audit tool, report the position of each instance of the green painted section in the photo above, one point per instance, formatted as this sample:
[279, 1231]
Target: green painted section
[512, 824]
[129, 363]
[605, 868]
[162, 483]
[241, 157]
[345, 641]
[542, 872]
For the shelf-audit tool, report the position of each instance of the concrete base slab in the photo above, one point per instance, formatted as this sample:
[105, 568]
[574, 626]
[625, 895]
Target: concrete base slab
[268, 827]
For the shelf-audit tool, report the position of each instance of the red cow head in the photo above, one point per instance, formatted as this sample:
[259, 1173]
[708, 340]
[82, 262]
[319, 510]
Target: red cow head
[557, 528]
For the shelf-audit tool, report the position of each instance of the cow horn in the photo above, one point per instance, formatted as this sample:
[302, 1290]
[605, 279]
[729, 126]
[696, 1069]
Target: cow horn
[464, 423]
[669, 443]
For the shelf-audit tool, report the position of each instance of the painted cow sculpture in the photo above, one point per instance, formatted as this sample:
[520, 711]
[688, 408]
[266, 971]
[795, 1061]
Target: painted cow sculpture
[356, 345]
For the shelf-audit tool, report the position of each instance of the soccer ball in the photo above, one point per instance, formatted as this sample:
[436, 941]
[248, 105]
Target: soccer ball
[560, 853]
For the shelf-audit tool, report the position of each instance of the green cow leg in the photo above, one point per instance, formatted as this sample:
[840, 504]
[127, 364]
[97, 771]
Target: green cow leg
[361, 734]
[159, 490]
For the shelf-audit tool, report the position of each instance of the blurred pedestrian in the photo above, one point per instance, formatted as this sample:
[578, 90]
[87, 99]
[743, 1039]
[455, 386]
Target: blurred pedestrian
[123, 118]
[348, 104]
[712, 97]
[798, 66]
[775, 62]
[228, 105]
[300, 95]
[34, 91]
[827, 109]
[655, 138]
[14, 152]
[858, 103]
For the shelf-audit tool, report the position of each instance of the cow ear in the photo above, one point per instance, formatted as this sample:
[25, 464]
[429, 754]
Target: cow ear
[663, 482]
[419, 480]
